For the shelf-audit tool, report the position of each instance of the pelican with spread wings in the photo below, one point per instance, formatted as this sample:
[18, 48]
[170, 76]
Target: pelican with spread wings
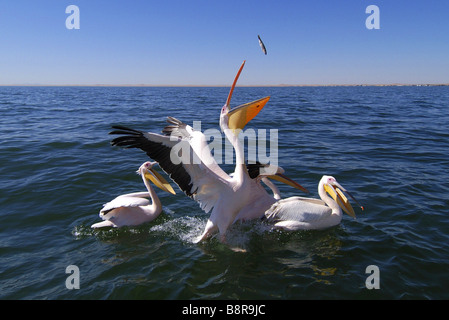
[183, 153]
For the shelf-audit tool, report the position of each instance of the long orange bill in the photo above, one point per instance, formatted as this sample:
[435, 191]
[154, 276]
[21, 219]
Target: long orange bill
[228, 101]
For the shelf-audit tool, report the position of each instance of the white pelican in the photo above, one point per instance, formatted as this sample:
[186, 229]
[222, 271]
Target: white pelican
[299, 213]
[133, 209]
[184, 155]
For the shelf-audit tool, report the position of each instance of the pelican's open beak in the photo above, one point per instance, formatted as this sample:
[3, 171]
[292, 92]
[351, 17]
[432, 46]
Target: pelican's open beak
[159, 180]
[241, 115]
[282, 178]
[336, 192]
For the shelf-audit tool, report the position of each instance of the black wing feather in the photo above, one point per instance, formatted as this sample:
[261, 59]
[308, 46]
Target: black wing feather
[155, 150]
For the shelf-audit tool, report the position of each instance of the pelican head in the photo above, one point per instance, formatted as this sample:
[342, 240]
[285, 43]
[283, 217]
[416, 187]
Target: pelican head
[237, 118]
[146, 170]
[336, 191]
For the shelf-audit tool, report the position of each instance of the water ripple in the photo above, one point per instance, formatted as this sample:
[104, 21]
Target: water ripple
[387, 145]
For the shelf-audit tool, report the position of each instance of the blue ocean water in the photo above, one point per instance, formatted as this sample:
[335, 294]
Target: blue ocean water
[388, 145]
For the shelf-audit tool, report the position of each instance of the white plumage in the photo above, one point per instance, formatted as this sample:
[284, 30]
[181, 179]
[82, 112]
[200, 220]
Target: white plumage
[133, 209]
[299, 213]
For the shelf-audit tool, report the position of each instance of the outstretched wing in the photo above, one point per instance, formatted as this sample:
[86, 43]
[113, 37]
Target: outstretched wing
[184, 155]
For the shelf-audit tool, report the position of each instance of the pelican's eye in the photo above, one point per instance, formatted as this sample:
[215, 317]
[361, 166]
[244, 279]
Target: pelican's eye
[223, 110]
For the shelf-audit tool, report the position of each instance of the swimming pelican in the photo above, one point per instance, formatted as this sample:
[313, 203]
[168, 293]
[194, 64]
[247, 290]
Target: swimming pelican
[133, 209]
[299, 213]
[183, 153]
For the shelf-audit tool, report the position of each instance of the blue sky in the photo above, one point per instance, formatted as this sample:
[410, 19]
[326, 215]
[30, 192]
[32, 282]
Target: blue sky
[199, 42]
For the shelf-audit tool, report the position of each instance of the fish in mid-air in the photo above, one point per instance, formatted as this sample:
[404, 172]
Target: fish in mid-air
[262, 45]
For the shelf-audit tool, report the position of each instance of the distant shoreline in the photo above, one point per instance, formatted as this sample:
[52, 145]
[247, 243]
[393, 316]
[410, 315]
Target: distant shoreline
[219, 86]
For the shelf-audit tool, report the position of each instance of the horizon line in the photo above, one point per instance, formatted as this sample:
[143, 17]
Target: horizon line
[220, 86]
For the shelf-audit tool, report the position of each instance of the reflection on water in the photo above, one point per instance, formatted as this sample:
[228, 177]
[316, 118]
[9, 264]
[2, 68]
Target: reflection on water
[313, 250]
